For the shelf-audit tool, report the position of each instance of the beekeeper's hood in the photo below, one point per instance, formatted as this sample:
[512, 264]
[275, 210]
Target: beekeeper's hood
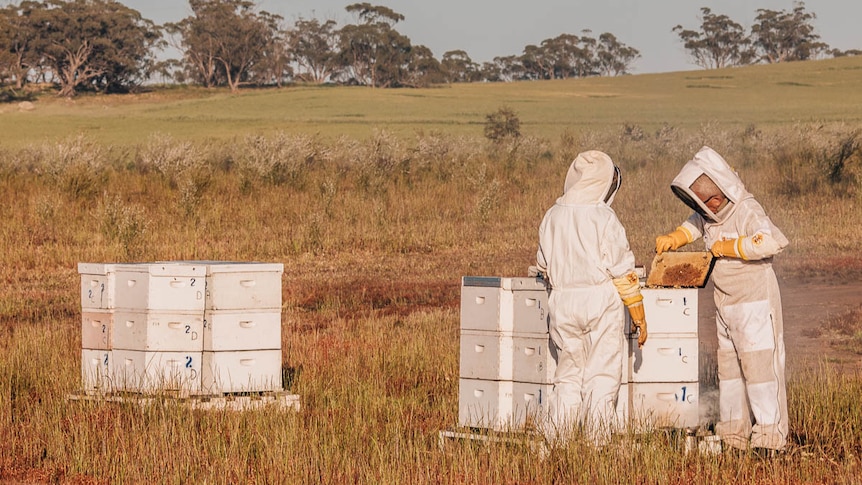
[592, 178]
[708, 162]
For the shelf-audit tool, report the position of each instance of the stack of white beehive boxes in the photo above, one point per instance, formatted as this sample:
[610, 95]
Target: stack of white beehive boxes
[242, 328]
[663, 380]
[506, 365]
[195, 327]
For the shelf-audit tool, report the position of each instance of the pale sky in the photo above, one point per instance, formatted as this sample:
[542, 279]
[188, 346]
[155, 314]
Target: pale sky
[489, 28]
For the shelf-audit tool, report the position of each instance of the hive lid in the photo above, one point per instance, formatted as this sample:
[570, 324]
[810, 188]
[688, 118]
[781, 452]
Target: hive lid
[171, 269]
[96, 268]
[213, 266]
[506, 283]
[680, 269]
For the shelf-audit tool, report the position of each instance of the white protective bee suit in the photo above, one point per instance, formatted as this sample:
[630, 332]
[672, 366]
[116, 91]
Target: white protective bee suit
[585, 256]
[752, 395]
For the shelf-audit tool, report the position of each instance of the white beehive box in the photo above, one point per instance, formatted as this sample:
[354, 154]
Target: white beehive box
[486, 404]
[241, 371]
[514, 305]
[662, 404]
[664, 358]
[243, 286]
[486, 355]
[97, 328]
[97, 285]
[502, 405]
[242, 330]
[158, 331]
[152, 372]
[535, 359]
[670, 310]
[497, 356]
[95, 370]
[160, 286]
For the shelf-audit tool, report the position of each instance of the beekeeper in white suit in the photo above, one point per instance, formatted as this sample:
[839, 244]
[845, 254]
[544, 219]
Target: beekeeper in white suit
[585, 256]
[748, 304]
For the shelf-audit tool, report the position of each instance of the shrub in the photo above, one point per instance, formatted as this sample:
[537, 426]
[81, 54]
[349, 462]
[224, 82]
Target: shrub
[810, 159]
[501, 124]
[169, 157]
[182, 164]
[278, 160]
[123, 224]
[76, 165]
[835, 158]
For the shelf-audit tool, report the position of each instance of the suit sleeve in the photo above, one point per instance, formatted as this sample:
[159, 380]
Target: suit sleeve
[761, 238]
[617, 256]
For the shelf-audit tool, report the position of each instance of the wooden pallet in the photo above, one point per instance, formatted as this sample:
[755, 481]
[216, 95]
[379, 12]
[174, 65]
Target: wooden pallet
[279, 400]
[533, 441]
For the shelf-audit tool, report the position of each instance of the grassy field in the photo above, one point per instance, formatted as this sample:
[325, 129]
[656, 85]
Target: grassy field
[377, 202]
[821, 91]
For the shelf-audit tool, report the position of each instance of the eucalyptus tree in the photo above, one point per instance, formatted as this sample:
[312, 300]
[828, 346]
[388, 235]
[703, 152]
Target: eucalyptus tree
[780, 36]
[459, 67]
[422, 69]
[275, 66]
[537, 62]
[576, 55]
[313, 48]
[720, 42]
[372, 51]
[567, 55]
[393, 60]
[614, 58]
[18, 39]
[504, 68]
[95, 44]
[128, 52]
[223, 41]
[584, 60]
[491, 72]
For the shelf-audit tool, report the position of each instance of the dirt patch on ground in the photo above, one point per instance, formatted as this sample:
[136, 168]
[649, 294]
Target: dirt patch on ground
[807, 308]
[363, 297]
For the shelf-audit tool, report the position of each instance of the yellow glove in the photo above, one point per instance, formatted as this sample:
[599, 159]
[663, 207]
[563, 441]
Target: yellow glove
[639, 322]
[629, 289]
[673, 241]
[727, 247]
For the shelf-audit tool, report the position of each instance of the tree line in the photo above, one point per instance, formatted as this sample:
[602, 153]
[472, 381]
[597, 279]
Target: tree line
[104, 46]
[775, 36]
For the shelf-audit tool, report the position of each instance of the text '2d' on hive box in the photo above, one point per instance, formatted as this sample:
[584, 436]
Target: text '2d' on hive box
[201, 327]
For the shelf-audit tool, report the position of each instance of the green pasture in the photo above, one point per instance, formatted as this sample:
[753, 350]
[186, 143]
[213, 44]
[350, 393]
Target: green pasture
[826, 90]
